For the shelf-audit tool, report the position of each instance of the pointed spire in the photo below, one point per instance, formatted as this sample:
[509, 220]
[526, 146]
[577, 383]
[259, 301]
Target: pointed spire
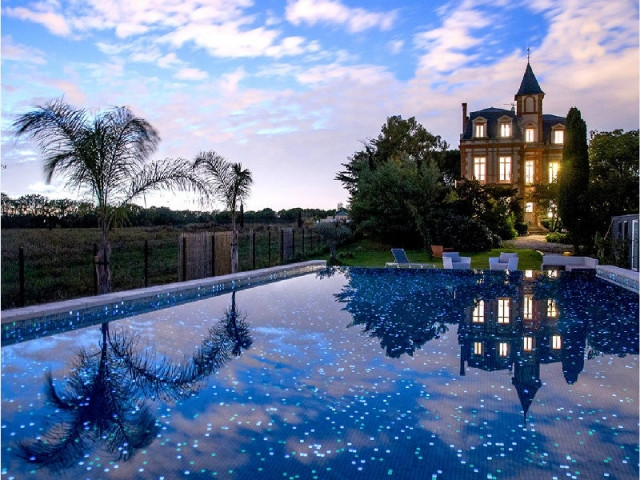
[529, 85]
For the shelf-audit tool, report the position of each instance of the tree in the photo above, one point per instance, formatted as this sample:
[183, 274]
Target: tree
[104, 157]
[231, 183]
[573, 181]
[333, 233]
[394, 181]
[613, 159]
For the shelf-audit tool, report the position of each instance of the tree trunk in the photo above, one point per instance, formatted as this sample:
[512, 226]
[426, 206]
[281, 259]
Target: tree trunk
[234, 252]
[103, 270]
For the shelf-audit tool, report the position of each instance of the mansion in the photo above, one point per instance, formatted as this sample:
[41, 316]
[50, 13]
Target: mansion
[518, 147]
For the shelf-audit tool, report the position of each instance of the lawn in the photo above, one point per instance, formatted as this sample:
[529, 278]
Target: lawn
[366, 253]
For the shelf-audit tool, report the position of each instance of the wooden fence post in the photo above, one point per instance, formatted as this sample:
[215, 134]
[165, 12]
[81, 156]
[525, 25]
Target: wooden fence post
[146, 263]
[21, 276]
[95, 269]
[184, 258]
[253, 249]
[281, 246]
[213, 254]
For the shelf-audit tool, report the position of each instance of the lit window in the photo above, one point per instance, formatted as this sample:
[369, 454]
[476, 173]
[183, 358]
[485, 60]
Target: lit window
[480, 168]
[528, 307]
[530, 134]
[553, 171]
[478, 312]
[479, 131]
[556, 342]
[505, 169]
[528, 172]
[527, 344]
[558, 136]
[477, 348]
[505, 129]
[552, 309]
[503, 349]
[503, 310]
[528, 207]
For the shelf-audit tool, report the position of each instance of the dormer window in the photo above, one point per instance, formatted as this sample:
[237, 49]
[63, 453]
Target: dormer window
[558, 136]
[530, 134]
[480, 128]
[505, 128]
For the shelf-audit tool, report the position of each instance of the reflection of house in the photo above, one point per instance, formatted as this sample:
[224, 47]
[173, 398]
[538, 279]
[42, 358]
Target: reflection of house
[519, 333]
[517, 147]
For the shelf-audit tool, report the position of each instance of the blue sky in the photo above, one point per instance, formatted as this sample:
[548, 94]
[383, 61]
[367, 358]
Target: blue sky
[291, 88]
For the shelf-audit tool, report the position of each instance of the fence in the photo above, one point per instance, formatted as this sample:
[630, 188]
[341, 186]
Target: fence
[40, 266]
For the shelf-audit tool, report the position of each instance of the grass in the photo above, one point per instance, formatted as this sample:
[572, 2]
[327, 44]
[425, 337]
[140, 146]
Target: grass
[366, 253]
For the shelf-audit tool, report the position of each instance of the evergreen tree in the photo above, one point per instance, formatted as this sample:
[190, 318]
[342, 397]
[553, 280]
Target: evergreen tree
[573, 182]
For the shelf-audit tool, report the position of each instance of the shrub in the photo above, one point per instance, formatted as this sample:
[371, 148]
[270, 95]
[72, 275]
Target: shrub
[557, 237]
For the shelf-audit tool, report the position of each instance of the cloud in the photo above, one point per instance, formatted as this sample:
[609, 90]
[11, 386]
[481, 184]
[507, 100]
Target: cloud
[190, 74]
[54, 22]
[334, 12]
[21, 53]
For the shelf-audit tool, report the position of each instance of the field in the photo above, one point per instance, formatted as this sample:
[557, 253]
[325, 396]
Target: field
[59, 263]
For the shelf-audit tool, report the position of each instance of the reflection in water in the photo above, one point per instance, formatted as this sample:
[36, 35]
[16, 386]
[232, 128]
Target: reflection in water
[104, 399]
[506, 321]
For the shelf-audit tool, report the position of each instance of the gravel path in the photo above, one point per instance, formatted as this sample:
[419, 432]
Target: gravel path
[538, 242]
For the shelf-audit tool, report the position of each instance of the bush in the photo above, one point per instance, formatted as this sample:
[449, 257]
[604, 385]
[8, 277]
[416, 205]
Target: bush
[557, 237]
[522, 229]
[468, 234]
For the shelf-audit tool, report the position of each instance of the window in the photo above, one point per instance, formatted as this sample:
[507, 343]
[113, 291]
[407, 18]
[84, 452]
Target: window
[503, 349]
[553, 171]
[503, 310]
[558, 136]
[479, 130]
[552, 309]
[505, 169]
[530, 134]
[528, 307]
[527, 344]
[505, 129]
[556, 342]
[478, 312]
[528, 207]
[528, 172]
[477, 348]
[480, 168]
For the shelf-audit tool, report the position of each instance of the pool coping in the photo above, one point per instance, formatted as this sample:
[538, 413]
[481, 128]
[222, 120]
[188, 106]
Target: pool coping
[627, 279]
[221, 283]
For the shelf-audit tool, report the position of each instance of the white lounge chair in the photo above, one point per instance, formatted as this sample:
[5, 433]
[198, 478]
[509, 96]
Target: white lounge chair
[506, 261]
[453, 261]
[402, 261]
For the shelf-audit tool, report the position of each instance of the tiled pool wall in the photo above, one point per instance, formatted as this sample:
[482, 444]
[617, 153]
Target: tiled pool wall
[619, 276]
[24, 323]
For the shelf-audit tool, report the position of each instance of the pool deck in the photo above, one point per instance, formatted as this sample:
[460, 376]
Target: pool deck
[220, 283]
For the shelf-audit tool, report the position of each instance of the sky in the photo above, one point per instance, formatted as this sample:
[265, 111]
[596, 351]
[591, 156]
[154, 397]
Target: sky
[292, 88]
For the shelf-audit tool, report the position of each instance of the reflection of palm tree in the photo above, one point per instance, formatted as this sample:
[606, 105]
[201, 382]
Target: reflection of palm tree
[103, 401]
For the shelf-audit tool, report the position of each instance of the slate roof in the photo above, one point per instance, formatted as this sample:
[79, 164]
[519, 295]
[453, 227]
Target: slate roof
[529, 85]
[549, 121]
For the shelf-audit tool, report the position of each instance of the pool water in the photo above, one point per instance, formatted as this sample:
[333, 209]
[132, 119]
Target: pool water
[341, 374]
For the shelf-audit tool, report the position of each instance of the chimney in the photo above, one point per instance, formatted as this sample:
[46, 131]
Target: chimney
[464, 117]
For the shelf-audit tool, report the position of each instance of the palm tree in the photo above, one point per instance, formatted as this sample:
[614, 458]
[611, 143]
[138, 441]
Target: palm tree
[231, 183]
[104, 157]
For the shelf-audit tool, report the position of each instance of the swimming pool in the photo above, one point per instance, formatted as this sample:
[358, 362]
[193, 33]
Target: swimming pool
[342, 373]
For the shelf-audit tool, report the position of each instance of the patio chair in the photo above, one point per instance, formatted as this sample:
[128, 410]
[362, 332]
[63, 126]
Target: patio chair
[402, 261]
[506, 261]
[453, 261]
